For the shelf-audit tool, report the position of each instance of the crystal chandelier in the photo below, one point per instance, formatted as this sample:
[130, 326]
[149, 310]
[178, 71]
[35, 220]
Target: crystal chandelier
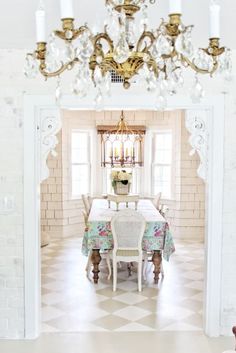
[154, 58]
[122, 146]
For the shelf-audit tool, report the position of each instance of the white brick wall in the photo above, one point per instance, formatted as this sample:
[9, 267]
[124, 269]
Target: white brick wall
[12, 87]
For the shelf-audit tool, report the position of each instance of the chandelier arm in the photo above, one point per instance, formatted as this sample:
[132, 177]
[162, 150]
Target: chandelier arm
[75, 33]
[145, 34]
[64, 67]
[104, 36]
[197, 69]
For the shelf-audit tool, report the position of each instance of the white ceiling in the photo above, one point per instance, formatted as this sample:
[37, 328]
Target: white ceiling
[17, 25]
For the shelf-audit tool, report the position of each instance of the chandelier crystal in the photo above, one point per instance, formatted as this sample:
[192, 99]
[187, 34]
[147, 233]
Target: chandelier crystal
[155, 58]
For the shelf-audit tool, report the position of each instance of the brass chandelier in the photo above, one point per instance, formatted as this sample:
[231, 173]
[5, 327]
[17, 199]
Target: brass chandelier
[128, 48]
[122, 146]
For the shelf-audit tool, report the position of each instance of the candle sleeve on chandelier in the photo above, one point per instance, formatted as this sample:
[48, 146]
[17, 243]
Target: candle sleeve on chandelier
[116, 152]
[40, 26]
[214, 21]
[67, 9]
[175, 6]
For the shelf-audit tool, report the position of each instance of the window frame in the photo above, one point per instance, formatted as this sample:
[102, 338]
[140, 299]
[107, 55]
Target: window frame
[88, 163]
[155, 164]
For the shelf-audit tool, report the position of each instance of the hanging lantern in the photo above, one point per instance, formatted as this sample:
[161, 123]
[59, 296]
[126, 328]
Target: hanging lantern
[122, 146]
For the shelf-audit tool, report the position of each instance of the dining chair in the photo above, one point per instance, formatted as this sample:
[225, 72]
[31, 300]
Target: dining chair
[156, 200]
[86, 202]
[104, 254]
[127, 228]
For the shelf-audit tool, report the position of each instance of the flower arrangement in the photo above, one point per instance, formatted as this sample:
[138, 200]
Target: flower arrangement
[121, 178]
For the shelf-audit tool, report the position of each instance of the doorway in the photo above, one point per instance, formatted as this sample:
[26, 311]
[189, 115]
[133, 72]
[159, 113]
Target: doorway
[39, 110]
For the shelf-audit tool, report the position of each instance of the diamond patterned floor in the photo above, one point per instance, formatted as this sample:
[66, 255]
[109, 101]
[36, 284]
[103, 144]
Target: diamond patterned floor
[72, 303]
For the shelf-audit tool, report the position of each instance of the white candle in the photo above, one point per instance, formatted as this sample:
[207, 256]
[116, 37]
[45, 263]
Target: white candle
[67, 9]
[215, 21]
[175, 6]
[40, 25]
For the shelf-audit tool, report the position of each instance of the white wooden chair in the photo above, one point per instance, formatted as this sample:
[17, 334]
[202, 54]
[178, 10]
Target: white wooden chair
[127, 228]
[156, 200]
[86, 202]
[105, 255]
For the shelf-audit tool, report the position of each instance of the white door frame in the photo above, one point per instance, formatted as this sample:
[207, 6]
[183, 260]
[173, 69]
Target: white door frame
[33, 105]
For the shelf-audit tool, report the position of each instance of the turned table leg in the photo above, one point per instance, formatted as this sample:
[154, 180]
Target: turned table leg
[156, 259]
[96, 259]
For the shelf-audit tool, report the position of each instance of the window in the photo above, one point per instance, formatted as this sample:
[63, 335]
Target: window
[162, 164]
[80, 163]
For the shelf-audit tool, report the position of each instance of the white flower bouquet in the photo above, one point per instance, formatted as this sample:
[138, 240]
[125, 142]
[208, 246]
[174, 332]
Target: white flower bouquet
[121, 181]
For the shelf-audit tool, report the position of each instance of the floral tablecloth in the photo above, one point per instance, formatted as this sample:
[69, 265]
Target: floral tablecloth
[98, 234]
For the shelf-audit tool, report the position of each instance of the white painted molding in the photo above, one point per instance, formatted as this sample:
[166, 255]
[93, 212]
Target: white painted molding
[49, 125]
[196, 124]
[214, 108]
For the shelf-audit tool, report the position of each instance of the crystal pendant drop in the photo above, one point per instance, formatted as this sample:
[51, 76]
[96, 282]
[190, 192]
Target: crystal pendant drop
[85, 47]
[161, 103]
[131, 31]
[112, 24]
[203, 61]
[52, 56]
[107, 84]
[69, 53]
[99, 101]
[184, 45]
[82, 82]
[197, 92]
[30, 67]
[225, 65]
[121, 52]
[98, 76]
[58, 93]
[162, 47]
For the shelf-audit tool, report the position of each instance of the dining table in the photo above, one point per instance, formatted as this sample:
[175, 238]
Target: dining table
[157, 239]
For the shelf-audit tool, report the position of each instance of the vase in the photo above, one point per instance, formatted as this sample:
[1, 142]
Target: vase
[121, 189]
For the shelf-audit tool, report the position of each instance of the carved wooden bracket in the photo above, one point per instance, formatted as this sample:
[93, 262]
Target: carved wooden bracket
[49, 125]
[196, 124]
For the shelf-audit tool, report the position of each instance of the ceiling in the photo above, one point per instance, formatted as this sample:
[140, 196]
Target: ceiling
[17, 27]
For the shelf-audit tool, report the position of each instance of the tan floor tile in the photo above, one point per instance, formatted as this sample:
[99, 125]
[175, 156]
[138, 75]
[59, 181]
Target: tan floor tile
[81, 306]
[111, 305]
[108, 292]
[196, 320]
[111, 322]
[155, 322]
[151, 305]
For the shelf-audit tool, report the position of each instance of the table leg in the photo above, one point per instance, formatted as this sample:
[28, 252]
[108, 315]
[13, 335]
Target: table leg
[109, 204]
[96, 259]
[156, 259]
[136, 205]
[117, 206]
[127, 205]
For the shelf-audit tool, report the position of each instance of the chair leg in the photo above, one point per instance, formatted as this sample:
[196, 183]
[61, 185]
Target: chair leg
[129, 269]
[114, 275]
[140, 275]
[145, 266]
[89, 264]
[108, 260]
